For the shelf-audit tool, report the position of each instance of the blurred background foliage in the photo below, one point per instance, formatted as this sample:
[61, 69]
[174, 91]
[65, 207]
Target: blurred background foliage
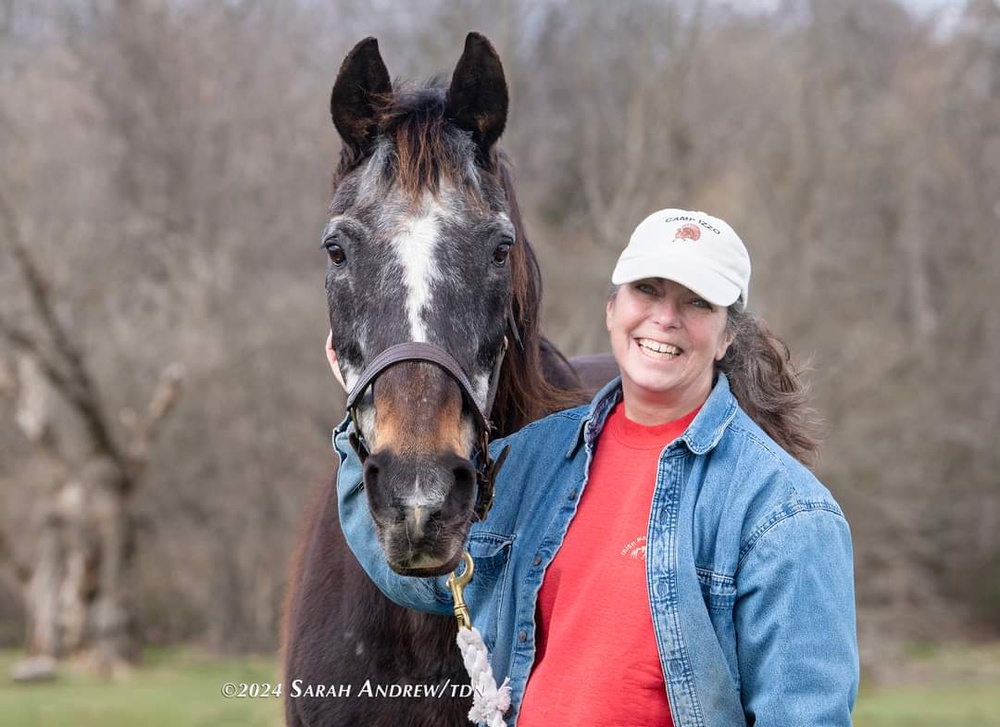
[167, 165]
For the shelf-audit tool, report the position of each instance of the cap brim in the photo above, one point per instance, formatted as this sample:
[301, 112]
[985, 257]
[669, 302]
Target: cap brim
[710, 284]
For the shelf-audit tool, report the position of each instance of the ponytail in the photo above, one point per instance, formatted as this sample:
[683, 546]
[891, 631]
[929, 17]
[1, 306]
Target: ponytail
[768, 386]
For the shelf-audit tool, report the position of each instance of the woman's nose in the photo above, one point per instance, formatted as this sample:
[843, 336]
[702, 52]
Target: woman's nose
[666, 313]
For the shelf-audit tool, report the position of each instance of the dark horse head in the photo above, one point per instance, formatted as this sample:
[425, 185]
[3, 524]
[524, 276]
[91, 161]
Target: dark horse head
[423, 247]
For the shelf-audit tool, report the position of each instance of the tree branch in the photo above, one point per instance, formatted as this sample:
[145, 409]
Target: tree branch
[24, 342]
[143, 429]
[76, 383]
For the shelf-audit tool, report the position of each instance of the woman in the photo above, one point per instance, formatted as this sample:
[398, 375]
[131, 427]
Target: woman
[657, 557]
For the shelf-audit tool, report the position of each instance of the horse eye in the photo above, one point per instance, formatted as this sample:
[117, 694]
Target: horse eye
[337, 255]
[500, 253]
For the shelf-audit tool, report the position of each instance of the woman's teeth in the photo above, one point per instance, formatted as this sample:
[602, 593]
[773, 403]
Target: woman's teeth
[657, 347]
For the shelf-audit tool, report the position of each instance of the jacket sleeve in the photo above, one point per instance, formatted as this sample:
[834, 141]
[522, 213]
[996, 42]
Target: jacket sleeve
[423, 594]
[795, 621]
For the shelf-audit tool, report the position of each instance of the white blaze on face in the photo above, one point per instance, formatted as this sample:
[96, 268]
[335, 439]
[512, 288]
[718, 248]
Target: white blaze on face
[414, 247]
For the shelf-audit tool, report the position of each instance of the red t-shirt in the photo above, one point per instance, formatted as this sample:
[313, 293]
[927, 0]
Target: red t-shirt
[596, 661]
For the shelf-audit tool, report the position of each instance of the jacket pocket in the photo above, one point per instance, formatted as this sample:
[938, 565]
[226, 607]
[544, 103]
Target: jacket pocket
[719, 593]
[491, 555]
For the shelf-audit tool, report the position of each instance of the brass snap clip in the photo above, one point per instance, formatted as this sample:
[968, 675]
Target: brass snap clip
[457, 584]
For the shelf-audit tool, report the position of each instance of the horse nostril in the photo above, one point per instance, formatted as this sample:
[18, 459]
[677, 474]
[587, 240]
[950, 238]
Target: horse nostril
[461, 494]
[465, 475]
[371, 472]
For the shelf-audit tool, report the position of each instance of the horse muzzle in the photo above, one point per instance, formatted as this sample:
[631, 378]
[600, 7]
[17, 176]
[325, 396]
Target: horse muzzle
[422, 508]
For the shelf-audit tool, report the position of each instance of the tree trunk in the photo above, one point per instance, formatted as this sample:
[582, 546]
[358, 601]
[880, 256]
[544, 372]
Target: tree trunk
[77, 596]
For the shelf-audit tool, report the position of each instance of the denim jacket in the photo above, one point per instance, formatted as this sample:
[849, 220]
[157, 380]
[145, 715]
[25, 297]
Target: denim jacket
[748, 565]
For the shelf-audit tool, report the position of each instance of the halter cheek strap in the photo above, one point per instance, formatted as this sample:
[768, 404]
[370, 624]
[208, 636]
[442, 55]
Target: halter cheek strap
[417, 351]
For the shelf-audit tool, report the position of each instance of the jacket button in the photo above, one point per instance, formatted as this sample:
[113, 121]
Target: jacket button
[572, 495]
[538, 560]
[522, 636]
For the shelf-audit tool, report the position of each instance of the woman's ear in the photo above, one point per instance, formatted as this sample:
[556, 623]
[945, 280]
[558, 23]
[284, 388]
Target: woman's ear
[727, 341]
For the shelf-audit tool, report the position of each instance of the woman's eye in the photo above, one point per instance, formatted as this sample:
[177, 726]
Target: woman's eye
[701, 303]
[337, 255]
[645, 288]
[500, 253]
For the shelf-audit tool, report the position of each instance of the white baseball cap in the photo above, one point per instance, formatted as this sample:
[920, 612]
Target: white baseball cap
[695, 249]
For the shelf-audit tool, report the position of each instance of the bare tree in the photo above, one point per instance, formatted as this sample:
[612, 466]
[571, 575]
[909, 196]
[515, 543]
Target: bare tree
[77, 593]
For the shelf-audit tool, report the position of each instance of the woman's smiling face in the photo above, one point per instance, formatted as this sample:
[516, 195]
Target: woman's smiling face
[666, 340]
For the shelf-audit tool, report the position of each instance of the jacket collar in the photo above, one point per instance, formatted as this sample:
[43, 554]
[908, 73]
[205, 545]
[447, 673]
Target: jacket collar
[701, 436]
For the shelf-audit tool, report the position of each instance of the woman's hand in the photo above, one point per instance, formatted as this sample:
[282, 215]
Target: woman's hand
[331, 356]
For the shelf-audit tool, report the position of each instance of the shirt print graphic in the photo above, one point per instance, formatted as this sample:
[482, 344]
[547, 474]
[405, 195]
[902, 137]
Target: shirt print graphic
[635, 549]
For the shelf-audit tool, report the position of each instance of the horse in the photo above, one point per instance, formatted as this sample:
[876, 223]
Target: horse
[426, 245]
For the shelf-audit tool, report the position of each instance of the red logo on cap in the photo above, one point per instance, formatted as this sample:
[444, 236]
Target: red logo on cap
[688, 232]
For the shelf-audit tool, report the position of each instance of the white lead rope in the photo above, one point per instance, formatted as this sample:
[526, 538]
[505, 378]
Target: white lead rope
[489, 702]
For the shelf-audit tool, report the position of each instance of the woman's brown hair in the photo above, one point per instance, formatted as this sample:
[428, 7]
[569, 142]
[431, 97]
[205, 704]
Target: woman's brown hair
[769, 386]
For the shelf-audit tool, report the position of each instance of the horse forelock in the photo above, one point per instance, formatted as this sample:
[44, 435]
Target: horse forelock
[417, 149]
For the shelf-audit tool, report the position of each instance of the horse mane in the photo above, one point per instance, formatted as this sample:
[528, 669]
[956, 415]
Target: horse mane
[524, 393]
[425, 149]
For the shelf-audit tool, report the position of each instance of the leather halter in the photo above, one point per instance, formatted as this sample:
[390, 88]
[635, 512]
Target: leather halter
[429, 353]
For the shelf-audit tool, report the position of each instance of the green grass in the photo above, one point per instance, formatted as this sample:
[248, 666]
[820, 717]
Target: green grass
[181, 687]
[172, 688]
[969, 705]
[954, 686]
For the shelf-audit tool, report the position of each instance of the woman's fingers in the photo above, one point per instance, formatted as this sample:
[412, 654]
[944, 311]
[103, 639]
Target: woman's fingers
[331, 357]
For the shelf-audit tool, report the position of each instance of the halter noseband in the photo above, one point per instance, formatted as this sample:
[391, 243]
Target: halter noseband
[429, 353]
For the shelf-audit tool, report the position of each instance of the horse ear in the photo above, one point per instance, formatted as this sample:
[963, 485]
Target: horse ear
[361, 88]
[477, 98]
